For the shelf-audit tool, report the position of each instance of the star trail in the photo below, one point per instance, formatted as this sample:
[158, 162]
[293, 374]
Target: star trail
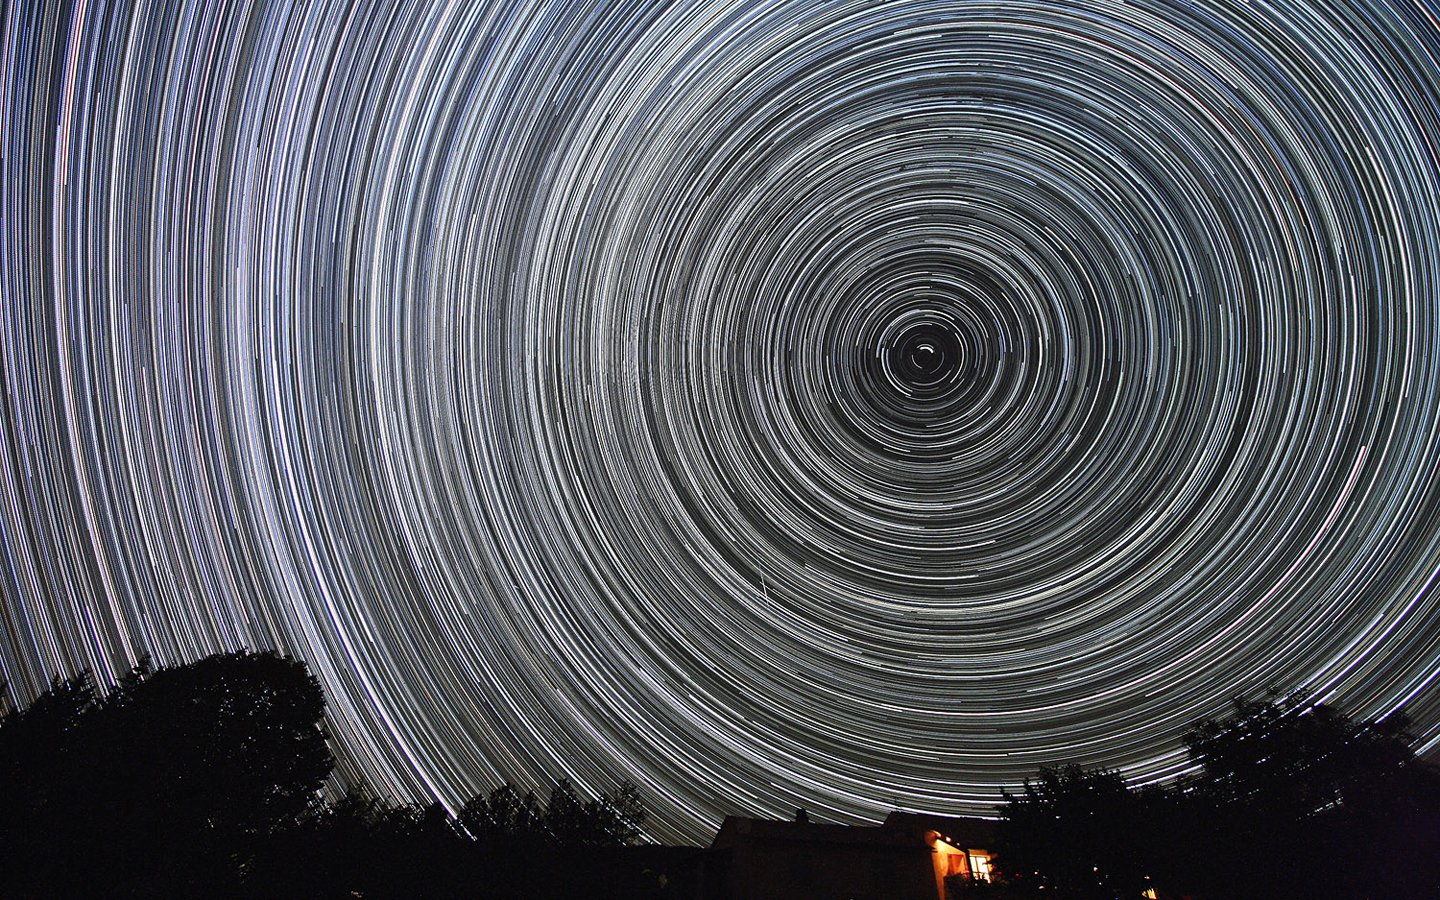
[828, 404]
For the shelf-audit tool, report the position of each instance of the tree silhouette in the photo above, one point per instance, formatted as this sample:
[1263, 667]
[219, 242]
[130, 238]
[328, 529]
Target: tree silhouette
[1297, 797]
[230, 742]
[169, 784]
[1077, 829]
[505, 815]
[1289, 799]
[203, 780]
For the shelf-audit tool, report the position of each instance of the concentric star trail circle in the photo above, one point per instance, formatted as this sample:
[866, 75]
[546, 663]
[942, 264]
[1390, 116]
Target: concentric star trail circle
[824, 404]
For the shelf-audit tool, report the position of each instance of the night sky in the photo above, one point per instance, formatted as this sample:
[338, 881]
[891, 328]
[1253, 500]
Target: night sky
[845, 405]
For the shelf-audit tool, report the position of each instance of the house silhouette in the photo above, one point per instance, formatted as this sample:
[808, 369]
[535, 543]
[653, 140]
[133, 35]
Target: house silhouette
[911, 856]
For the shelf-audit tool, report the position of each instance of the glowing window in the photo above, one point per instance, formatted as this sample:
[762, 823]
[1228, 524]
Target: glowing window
[980, 865]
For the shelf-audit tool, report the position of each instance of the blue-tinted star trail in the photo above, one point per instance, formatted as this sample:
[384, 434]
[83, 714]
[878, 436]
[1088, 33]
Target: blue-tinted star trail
[824, 404]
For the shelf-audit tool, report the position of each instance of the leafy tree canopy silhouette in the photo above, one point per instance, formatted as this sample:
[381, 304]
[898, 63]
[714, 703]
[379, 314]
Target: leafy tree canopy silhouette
[1289, 798]
[1076, 827]
[165, 783]
[203, 780]
[610, 820]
